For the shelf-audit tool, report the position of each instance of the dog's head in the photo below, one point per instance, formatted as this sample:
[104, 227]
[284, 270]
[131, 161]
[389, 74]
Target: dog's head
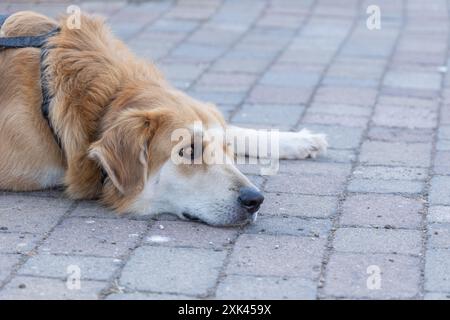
[157, 151]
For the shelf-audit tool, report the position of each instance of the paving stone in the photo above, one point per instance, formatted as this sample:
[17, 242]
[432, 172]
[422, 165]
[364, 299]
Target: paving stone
[314, 168]
[7, 264]
[30, 214]
[267, 255]
[147, 296]
[438, 214]
[413, 80]
[439, 235]
[385, 186]
[173, 270]
[346, 95]
[436, 296]
[439, 190]
[369, 240]
[186, 234]
[247, 287]
[396, 154]
[316, 228]
[285, 204]
[18, 242]
[390, 173]
[333, 119]
[396, 116]
[91, 268]
[400, 134]
[269, 114]
[381, 210]
[99, 237]
[339, 109]
[312, 185]
[442, 163]
[30, 288]
[348, 274]
[279, 95]
[437, 264]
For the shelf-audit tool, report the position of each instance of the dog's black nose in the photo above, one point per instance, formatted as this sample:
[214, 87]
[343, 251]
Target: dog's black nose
[250, 199]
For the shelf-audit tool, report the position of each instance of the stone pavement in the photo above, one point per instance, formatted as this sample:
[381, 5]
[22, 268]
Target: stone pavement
[369, 220]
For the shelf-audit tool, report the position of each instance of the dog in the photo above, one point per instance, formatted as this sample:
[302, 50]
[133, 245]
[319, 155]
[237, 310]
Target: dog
[109, 130]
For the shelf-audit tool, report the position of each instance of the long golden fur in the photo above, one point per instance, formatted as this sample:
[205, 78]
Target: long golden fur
[92, 77]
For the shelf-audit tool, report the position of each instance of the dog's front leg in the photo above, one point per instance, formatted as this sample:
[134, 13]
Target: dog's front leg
[290, 145]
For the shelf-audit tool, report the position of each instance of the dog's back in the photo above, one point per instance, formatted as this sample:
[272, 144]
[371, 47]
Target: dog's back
[23, 131]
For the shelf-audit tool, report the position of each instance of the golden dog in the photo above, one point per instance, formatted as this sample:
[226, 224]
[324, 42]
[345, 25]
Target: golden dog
[115, 113]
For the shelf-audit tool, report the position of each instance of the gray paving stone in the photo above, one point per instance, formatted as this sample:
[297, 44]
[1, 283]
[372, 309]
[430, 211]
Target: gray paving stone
[30, 214]
[18, 242]
[436, 296]
[396, 154]
[173, 270]
[390, 173]
[347, 276]
[99, 237]
[413, 80]
[247, 287]
[7, 264]
[439, 235]
[400, 134]
[333, 119]
[314, 168]
[370, 240]
[187, 234]
[438, 214]
[269, 114]
[30, 288]
[385, 186]
[147, 296]
[91, 268]
[437, 264]
[267, 255]
[442, 163]
[312, 185]
[381, 210]
[346, 95]
[285, 204]
[315, 228]
[339, 109]
[439, 190]
[279, 95]
[397, 116]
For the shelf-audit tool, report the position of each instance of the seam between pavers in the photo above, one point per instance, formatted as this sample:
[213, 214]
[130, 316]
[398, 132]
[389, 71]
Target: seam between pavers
[222, 272]
[113, 282]
[329, 250]
[25, 257]
[431, 174]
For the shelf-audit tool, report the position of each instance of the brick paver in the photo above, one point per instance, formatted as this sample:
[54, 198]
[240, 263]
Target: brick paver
[375, 210]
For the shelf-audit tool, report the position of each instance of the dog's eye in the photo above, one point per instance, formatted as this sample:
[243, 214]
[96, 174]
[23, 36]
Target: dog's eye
[187, 152]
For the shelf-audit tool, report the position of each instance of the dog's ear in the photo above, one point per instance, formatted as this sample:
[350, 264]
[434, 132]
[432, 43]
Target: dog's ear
[122, 150]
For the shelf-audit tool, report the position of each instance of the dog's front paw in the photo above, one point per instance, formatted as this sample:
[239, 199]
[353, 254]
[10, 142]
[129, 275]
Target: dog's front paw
[302, 145]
